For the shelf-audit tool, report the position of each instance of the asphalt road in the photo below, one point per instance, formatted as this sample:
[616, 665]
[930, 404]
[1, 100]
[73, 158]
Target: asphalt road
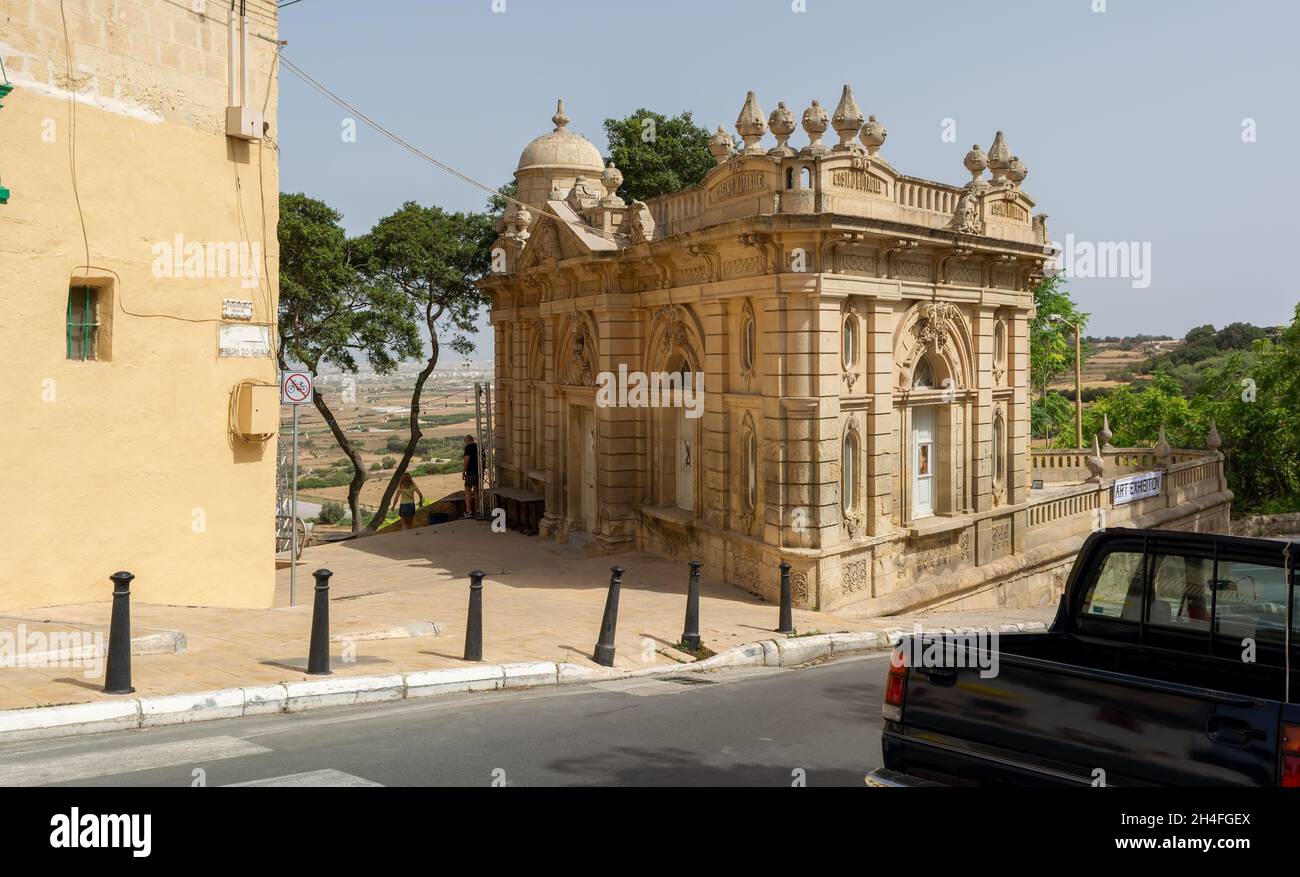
[819, 725]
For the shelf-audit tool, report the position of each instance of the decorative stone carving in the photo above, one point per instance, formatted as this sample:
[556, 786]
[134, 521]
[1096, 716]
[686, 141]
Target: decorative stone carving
[1040, 229]
[580, 366]
[856, 577]
[999, 159]
[873, 135]
[668, 320]
[966, 217]
[750, 125]
[611, 179]
[548, 242]
[1096, 464]
[976, 162]
[847, 120]
[721, 145]
[1105, 434]
[638, 224]
[815, 123]
[781, 123]
[584, 194]
[1162, 450]
[1016, 171]
[745, 571]
[799, 588]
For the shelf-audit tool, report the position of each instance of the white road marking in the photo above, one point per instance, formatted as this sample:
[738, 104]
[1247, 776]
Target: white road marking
[109, 762]
[312, 778]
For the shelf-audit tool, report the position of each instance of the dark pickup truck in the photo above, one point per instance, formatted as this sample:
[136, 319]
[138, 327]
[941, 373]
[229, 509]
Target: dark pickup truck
[1171, 661]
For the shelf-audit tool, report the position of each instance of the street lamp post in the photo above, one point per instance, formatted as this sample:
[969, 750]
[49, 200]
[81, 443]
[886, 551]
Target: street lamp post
[1078, 377]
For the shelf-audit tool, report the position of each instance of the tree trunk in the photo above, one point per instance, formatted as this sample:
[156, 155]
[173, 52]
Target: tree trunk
[358, 466]
[377, 520]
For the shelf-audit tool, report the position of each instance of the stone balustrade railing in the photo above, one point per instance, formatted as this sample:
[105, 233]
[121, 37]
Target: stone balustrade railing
[1075, 510]
[927, 195]
[1056, 464]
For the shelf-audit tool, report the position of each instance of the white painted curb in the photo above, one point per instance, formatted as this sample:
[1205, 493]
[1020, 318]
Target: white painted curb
[300, 696]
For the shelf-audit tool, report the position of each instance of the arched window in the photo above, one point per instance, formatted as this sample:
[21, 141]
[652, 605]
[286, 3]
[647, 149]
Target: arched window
[999, 344]
[849, 472]
[805, 179]
[751, 470]
[789, 178]
[999, 449]
[849, 339]
[923, 376]
[748, 342]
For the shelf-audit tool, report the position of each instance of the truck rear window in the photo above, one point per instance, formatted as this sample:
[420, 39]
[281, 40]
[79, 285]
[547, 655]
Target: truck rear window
[1238, 599]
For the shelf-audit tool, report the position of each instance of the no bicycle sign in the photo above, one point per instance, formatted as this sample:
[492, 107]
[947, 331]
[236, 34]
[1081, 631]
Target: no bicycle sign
[295, 388]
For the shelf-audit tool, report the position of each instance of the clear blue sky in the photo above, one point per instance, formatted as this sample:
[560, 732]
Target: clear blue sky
[1129, 120]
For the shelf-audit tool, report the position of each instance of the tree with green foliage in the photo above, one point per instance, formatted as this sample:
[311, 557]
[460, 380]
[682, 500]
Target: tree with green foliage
[1136, 415]
[331, 313]
[658, 154]
[432, 259]
[1255, 403]
[1051, 356]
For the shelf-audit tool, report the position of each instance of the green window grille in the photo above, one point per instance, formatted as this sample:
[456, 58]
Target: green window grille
[82, 325]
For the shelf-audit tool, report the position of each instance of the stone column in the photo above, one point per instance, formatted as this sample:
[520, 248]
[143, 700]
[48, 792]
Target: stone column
[878, 373]
[618, 431]
[719, 468]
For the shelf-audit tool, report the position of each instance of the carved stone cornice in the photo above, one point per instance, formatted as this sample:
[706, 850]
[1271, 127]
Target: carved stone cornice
[767, 248]
[948, 256]
[889, 252]
[828, 256]
[709, 254]
[1001, 260]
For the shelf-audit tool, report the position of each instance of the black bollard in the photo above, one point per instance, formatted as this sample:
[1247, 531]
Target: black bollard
[691, 632]
[474, 624]
[117, 671]
[604, 655]
[786, 625]
[318, 659]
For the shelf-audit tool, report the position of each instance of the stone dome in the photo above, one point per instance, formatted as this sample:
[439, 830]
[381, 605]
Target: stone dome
[562, 148]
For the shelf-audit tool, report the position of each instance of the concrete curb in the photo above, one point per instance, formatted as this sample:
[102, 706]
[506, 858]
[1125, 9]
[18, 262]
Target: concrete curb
[311, 694]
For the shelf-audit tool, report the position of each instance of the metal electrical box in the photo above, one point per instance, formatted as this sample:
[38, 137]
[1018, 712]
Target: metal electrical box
[257, 411]
[244, 123]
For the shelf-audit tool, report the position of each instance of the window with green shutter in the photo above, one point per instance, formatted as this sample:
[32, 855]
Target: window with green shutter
[83, 323]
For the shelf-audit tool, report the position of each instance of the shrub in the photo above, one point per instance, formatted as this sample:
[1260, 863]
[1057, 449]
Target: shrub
[389, 462]
[331, 513]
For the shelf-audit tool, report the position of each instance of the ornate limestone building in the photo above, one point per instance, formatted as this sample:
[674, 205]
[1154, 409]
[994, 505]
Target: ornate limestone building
[862, 336]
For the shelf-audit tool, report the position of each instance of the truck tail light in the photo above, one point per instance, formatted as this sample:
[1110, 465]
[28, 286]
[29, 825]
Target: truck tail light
[896, 687]
[1290, 757]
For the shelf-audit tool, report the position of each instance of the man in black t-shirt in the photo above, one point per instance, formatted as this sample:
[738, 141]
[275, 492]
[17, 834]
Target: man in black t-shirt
[471, 475]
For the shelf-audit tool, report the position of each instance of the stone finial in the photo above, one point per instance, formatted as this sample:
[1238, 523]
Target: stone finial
[847, 120]
[1212, 440]
[611, 179]
[1162, 450]
[781, 124]
[873, 135]
[750, 125]
[999, 158]
[815, 123]
[1096, 464]
[559, 119]
[976, 162]
[1016, 171]
[721, 145]
[1105, 433]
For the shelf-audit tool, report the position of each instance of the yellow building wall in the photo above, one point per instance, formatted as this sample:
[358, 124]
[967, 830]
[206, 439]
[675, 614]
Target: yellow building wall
[129, 463]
